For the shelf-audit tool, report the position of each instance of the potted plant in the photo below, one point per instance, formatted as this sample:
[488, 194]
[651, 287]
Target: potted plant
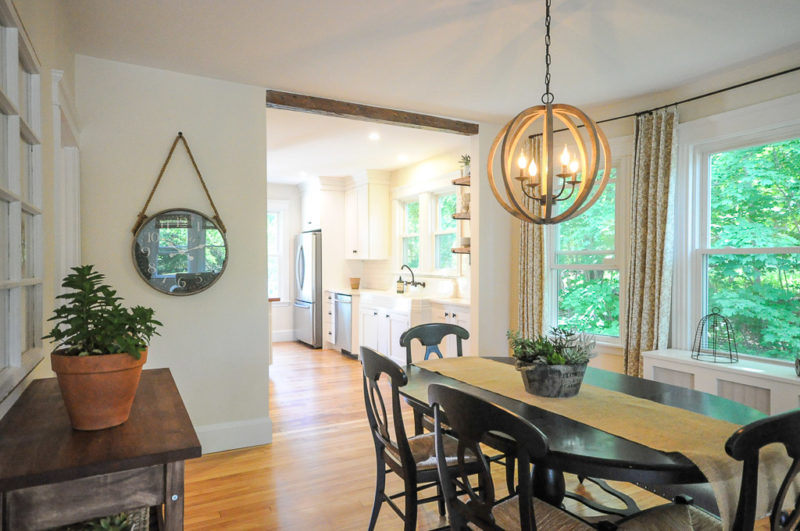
[100, 349]
[552, 365]
[464, 161]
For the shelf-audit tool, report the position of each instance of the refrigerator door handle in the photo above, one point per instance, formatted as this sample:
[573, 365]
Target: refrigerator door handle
[300, 268]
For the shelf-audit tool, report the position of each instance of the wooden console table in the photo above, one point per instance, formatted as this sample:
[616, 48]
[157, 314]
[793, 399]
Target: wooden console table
[52, 475]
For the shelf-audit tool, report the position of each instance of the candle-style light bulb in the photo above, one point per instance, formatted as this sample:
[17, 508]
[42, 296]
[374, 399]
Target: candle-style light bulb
[573, 167]
[532, 169]
[522, 161]
[565, 157]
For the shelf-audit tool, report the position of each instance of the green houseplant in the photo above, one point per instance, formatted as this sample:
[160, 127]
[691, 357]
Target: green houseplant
[552, 365]
[464, 161]
[100, 347]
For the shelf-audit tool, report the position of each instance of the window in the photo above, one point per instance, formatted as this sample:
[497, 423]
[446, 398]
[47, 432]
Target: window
[20, 209]
[444, 234]
[585, 267]
[749, 253]
[410, 233]
[274, 254]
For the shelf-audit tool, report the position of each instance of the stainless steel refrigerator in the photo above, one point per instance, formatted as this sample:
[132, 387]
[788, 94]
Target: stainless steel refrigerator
[308, 288]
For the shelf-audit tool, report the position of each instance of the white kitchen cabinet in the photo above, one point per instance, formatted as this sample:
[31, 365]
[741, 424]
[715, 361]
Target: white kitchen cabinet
[368, 325]
[366, 219]
[310, 207]
[397, 324]
[457, 314]
[328, 319]
[381, 328]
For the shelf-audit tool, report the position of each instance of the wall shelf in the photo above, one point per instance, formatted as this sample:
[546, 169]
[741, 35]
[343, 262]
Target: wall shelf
[461, 215]
[462, 181]
[460, 250]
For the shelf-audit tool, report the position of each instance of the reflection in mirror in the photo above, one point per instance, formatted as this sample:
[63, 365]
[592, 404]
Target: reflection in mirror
[179, 252]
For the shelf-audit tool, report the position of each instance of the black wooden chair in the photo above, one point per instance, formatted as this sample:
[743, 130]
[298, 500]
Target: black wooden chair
[431, 336]
[413, 459]
[472, 418]
[744, 445]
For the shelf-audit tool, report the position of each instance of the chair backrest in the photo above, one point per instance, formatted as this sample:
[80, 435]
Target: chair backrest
[431, 335]
[744, 445]
[391, 437]
[471, 418]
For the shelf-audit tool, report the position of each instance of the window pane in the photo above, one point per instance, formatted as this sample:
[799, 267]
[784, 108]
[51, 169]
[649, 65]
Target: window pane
[412, 218]
[445, 259]
[27, 266]
[446, 207]
[588, 301]
[28, 318]
[273, 276]
[759, 293]
[4, 325]
[595, 228]
[4, 223]
[24, 169]
[754, 194]
[584, 259]
[411, 251]
[273, 238]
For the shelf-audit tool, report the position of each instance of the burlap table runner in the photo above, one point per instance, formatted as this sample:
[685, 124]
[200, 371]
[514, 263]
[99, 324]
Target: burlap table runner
[658, 426]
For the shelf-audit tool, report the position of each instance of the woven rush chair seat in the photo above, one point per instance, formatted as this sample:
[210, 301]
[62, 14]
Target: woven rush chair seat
[423, 448]
[506, 516]
[672, 516]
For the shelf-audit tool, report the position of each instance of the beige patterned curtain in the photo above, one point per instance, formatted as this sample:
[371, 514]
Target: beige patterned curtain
[531, 263]
[650, 266]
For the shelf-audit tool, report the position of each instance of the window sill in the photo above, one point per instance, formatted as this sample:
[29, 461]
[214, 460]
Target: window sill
[10, 377]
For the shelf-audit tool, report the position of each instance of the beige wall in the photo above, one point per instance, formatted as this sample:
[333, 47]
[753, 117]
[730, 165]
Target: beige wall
[214, 342]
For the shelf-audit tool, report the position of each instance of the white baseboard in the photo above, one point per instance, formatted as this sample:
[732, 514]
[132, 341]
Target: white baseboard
[232, 435]
[282, 335]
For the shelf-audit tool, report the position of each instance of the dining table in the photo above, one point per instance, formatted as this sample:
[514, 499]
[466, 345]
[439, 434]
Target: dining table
[589, 451]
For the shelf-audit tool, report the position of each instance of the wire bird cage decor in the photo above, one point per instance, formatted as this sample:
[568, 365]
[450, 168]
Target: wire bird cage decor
[714, 339]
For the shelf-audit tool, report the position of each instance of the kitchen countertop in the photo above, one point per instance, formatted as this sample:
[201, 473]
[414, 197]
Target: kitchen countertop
[416, 295]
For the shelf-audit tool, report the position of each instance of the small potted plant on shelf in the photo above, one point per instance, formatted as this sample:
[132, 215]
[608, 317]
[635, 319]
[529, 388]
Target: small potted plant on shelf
[464, 161]
[100, 349]
[552, 365]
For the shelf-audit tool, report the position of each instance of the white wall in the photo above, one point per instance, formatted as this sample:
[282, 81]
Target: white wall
[214, 342]
[282, 312]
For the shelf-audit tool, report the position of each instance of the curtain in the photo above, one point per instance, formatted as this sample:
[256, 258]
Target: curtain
[650, 266]
[531, 282]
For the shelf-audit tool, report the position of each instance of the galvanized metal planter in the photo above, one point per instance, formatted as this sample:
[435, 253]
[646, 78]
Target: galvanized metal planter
[554, 381]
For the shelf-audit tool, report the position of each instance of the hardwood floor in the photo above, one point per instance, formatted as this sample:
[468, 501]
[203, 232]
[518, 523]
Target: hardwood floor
[319, 471]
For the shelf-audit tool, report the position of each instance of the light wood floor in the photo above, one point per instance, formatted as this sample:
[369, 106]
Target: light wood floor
[319, 471]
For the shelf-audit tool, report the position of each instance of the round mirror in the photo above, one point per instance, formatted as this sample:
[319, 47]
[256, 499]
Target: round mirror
[180, 251]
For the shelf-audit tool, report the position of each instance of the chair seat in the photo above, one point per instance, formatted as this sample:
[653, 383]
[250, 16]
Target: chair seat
[506, 515]
[671, 516]
[423, 448]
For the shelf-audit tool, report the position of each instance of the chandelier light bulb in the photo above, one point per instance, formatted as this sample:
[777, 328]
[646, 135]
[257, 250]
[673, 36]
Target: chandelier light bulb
[573, 166]
[522, 161]
[532, 169]
[565, 157]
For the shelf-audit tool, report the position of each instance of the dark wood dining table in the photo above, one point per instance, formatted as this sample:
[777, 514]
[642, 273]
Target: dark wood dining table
[586, 451]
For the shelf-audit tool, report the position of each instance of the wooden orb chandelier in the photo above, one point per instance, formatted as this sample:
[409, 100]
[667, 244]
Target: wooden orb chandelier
[540, 192]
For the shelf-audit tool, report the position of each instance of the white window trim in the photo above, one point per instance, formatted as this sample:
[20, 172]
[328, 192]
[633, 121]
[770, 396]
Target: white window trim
[285, 287]
[621, 155]
[762, 123]
[16, 364]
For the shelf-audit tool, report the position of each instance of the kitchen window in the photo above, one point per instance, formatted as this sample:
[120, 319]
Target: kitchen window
[21, 208]
[274, 273]
[410, 234]
[445, 232]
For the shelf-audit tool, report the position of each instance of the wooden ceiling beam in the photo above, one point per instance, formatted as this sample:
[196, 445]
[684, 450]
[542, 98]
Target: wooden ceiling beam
[343, 109]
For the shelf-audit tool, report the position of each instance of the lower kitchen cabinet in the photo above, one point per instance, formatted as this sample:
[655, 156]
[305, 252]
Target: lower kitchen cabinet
[453, 314]
[381, 330]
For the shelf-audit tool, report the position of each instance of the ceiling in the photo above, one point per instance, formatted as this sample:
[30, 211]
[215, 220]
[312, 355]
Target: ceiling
[476, 60]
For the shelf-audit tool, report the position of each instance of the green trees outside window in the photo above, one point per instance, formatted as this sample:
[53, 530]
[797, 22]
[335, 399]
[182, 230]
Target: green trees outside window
[752, 263]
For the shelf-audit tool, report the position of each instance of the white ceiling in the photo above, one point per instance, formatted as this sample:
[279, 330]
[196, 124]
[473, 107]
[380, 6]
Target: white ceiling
[467, 59]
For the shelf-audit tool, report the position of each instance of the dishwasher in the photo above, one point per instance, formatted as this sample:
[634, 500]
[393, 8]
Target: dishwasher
[343, 320]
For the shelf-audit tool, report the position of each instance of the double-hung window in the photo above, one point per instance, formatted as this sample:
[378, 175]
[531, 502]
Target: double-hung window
[410, 233]
[585, 267]
[445, 232]
[21, 208]
[274, 232]
[748, 258]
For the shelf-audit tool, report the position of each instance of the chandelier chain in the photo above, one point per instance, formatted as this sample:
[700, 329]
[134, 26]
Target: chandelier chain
[547, 97]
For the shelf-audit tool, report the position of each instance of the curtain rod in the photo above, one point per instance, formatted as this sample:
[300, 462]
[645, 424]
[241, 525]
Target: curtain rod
[687, 100]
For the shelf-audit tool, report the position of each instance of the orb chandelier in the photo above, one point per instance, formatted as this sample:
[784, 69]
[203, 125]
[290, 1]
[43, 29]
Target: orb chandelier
[542, 189]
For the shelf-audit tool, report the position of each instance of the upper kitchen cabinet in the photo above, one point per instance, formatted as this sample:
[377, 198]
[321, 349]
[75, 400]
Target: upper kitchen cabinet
[310, 206]
[366, 217]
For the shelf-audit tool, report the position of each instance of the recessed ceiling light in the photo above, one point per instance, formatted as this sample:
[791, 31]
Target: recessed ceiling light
[402, 157]
[374, 136]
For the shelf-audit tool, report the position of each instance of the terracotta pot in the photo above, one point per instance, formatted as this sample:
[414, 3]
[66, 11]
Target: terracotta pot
[555, 381]
[98, 391]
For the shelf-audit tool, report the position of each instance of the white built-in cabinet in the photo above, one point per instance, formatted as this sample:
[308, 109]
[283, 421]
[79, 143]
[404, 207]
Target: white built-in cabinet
[453, 314]
[366, 218]
[310, 206]
[381, 329]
